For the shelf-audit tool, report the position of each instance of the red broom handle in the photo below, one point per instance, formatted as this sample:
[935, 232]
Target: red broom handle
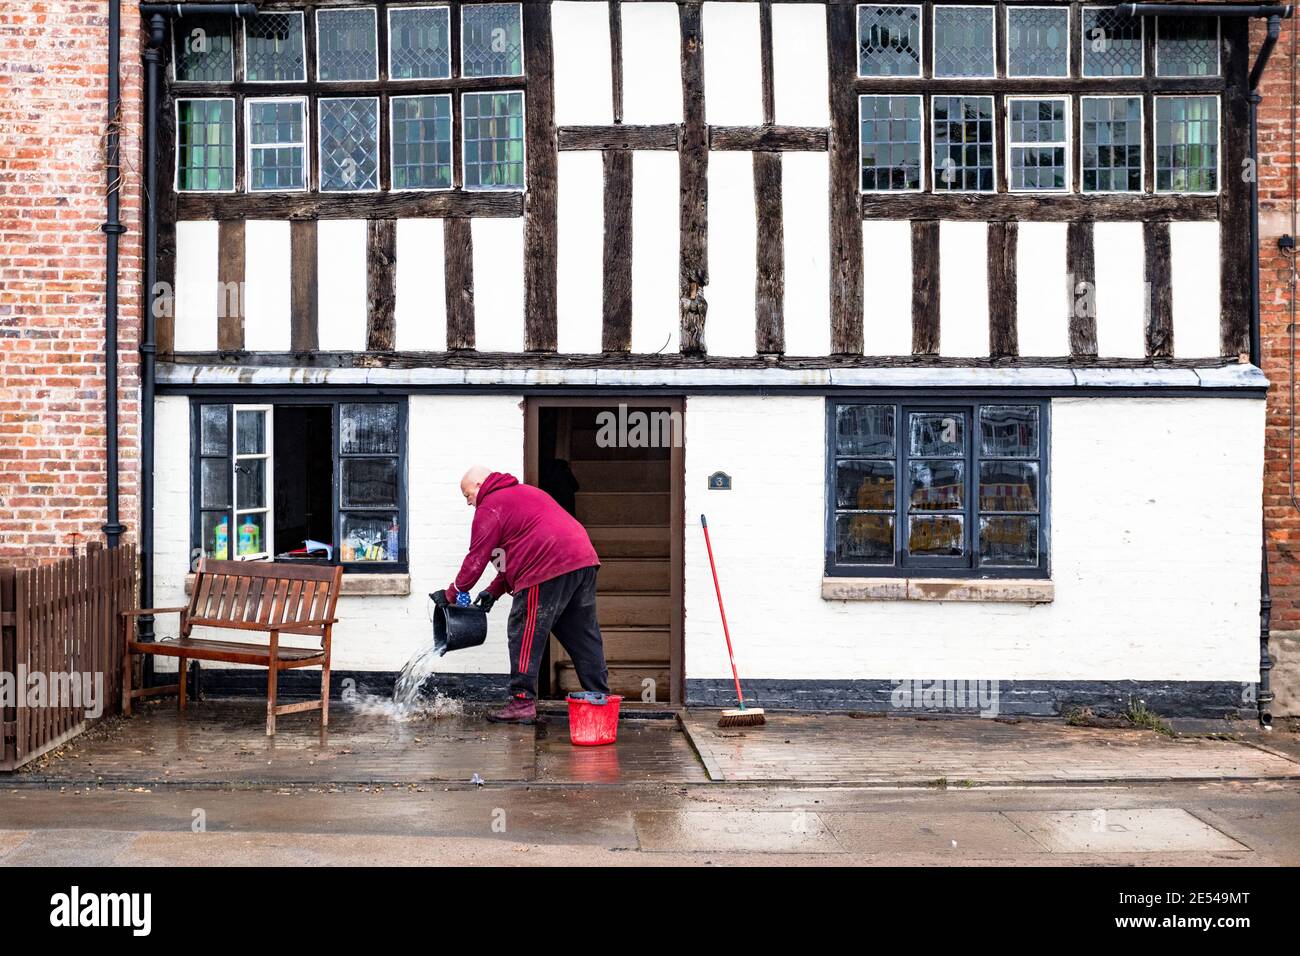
[740, 697]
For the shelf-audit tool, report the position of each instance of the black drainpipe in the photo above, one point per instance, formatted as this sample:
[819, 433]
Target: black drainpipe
[156, 16]
[112, 229]
[1275, 13]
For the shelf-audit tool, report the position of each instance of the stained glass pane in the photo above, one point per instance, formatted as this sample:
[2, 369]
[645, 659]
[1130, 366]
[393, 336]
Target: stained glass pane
[1187, 144]
[1038, 41]
[1112, 43]
[890, 129]
[369, 428]
[963, 143]
[963, 41]
[419, 43]
[864, 539]
[349, 144]
[493, 140]
[205, 145]
[889, 41]
[346, 45]
[273, 49]
[491, 39]
[1111, 147]
[277, 150]
[1187, 46]
[421, 142]
[204, 49]
[1038, 153]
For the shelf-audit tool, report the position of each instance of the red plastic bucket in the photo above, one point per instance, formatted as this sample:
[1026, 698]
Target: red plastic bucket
[591, 725]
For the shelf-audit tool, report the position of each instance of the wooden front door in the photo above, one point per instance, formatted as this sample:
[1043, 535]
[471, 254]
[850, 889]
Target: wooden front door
[617, 466]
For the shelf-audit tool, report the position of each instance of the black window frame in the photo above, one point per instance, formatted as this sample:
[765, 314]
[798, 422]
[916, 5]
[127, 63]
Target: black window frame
[905, 565]
[337, 510]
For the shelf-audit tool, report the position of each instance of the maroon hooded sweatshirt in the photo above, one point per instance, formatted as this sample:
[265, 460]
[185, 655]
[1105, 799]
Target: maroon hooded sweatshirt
[538, 540]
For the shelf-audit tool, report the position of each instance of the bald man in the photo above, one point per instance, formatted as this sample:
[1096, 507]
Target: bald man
[545, 560]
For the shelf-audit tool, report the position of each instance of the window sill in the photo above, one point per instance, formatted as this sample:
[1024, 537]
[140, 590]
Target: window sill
[357, 585]
[980, 590]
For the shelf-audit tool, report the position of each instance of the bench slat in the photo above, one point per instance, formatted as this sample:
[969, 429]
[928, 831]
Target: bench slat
[224, 651]
[270, 569]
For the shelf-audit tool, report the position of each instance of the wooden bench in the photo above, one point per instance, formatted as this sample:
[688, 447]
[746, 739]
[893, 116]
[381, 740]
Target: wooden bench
[246, 596]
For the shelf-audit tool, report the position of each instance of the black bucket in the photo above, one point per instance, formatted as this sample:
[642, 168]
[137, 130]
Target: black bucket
[456, 627]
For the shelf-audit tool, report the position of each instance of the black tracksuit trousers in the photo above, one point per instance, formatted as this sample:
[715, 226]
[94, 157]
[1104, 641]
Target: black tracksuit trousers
[566, 607]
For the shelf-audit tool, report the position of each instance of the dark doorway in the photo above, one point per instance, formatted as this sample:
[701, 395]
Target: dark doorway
[304, 476]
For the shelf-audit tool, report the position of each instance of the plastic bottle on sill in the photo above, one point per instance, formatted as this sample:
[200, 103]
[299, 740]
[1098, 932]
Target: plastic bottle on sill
[221, 541]
[391, 543]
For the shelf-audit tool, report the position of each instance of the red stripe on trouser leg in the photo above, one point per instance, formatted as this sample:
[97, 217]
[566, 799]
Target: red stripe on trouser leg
[526, 644]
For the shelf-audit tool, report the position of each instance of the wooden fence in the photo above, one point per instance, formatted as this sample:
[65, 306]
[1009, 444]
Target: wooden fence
[60, 648]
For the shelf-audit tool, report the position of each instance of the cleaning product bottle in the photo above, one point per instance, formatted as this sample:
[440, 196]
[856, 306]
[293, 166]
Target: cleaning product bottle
[221, 540]
[391, 542]
[249, 537]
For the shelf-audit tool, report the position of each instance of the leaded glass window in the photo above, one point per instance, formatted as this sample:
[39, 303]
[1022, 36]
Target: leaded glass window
[1038, 41]
[1110, 152]
[419, 43]
[421, 142]
[1187, 46]
[963, 41]
[1187, 144]
[1009, 495]
[349, 143]
[277, 144]
[205, 145]
[1112, 43]
[204, 49]
[273, 48]
[891, 142]
[889, 41]
[963, 143]
[491, 39]
[493, 140]
[346, 45]
[1038, 154]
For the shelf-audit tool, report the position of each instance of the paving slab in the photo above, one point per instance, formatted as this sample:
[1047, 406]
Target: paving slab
[957, 835]
[1146, 830]
[741, 831]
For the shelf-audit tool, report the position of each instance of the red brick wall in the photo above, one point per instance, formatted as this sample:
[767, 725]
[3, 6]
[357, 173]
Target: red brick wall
[53, 116]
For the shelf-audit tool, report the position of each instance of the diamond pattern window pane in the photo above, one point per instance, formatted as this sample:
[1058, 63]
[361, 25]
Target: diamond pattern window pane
[493, 140]
[346, 45]
[349, 144]
[205, 144]
[1038, 41]
[891, 142]
[1187, 144]
[1111, 146]
[963, 143]
[277, 149]
[491, 40]
[273, 50]
[1038, 153]
[204, 49]
[419, 43]
[421, 142]
[1112, 43]
[1187, 46]
[889, 41]
[963, 41]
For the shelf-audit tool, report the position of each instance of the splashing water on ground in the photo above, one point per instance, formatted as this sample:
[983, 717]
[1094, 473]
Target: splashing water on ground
[408, 703]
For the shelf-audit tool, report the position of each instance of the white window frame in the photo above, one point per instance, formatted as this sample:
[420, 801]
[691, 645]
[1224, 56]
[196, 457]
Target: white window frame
[523, 62]
[934, 179]
[1008, 144]
[1006, 43]
[1083, 48]
[243, 64]
[925, 158]
[267, 512]
[857, 41]
[451, 100]
[1142, 145]
[1218, 53]
[934, 43]
[249, 146]
[326, 11]
[176, 146]
[1155, 146]
[523, 100]
[199, 83]
[388, 25]
[320, 139]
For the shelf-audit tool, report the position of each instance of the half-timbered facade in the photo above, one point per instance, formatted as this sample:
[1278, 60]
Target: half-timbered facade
[939, 312]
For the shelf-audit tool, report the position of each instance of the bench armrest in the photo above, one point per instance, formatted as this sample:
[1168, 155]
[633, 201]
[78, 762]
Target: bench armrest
[140, 611]
[303, 626]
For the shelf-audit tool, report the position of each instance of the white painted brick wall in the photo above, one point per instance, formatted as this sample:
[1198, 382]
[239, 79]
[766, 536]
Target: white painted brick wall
[1155, 526]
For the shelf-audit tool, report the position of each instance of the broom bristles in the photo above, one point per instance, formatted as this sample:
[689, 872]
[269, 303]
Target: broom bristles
[742, 717]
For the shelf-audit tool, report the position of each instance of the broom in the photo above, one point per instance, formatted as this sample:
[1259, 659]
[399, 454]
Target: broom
[742, 716]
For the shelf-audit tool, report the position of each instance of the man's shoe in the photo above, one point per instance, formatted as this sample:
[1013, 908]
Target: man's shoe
[520, 710]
